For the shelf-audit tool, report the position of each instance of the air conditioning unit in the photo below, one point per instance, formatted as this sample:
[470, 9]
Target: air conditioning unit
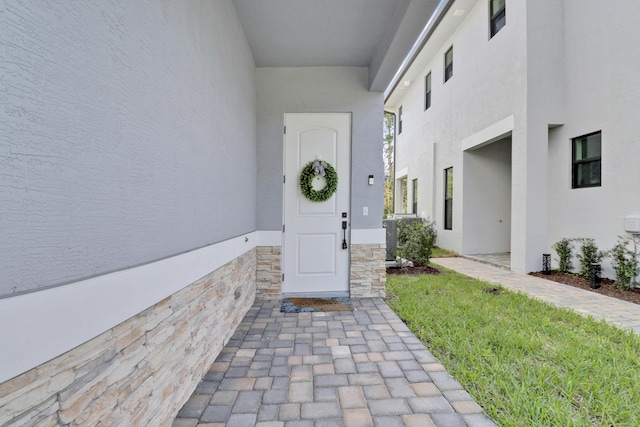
[632, 223]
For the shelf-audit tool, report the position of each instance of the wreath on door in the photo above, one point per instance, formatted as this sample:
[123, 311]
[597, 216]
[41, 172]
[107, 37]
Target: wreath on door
[315, 170]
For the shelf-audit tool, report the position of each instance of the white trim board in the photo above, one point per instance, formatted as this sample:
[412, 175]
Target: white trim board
[490, 134]
[372, 236]
[39, 326]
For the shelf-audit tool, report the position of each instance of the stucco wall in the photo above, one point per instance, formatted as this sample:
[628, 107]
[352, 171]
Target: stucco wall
[127, 135]
[488, 86]
[602, 93]
[487, 199]
[318, 90]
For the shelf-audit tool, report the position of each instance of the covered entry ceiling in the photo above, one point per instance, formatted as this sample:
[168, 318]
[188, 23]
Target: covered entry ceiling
[364, 33]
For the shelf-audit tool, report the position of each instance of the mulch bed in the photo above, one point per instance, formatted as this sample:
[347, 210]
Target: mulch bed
[606, 286]
[412, 270]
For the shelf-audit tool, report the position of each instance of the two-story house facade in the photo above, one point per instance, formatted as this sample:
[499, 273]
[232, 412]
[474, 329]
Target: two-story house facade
[516, 125]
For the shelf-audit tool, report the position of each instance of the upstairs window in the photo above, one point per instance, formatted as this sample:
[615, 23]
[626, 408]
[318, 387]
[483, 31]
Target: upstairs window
[448, 64]
[586, 154]
[400, 120]
[498, 15]
[427, 92]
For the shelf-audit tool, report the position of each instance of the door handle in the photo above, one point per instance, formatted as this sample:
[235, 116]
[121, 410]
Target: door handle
[344, 234]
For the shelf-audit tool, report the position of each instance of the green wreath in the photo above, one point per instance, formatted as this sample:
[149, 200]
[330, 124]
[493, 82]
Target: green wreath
[316, 169]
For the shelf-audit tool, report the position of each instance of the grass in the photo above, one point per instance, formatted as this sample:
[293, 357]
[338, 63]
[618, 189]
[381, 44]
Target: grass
[526, 362]
[437, 252]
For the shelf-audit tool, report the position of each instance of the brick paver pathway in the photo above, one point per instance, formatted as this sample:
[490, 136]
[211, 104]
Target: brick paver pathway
[620, 313]
[360, 368]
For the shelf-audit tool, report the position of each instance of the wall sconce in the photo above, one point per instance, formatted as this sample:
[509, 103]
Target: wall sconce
[370, 179]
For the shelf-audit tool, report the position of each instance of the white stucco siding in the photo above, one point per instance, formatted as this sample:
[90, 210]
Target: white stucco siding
[602, 94]
[127, 134]
[487, 87]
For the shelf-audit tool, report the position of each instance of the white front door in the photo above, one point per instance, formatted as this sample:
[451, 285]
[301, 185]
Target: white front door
[315, 260]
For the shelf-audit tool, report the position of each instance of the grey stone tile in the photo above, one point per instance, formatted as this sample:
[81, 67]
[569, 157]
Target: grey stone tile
[280, 371]
[478, 420]
[389, 407]
[332, 422]
[268, 413]
[344, 366]
[390, 370]
[330, 380]
[207, 387]
[444, 381]
[248, 402]
[388, 422]
[447, 420]
[376, 392]
[275, 396]
[410, 365]
[399, 387]
[430, 404]
[365, 379]
[216, 414]
[366, 367]
[320, 410]
[289, 412]
[242, 420]
[280, 383]
[417, 376]
[323, 394]
[237, 372]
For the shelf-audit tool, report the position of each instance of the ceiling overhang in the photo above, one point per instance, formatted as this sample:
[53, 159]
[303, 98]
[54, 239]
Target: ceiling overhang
[377, 34]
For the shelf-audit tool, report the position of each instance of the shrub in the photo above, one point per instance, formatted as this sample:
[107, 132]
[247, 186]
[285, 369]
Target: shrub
[589, 254]
[564, 249]
[415, 240]
[623, 262]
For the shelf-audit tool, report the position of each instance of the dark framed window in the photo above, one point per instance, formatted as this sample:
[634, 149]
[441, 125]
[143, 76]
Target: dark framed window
[498, 15]
[448, 199]
[448, 64]
[427, 91]
[414, 195]
[587, 160]
[400, 120]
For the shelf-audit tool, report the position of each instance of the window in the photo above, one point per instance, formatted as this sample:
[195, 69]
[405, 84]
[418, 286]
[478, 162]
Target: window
[427, 91]
[403, 194]
[400, 120]
[586, 155]
[414, 195]
[448, 64]
[498, 15]
[448, 199]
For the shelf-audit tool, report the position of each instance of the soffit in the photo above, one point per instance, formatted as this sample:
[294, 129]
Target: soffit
[309, 33]
[453, 16]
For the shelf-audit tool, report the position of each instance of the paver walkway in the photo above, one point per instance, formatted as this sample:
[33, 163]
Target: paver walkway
[360, 368]
[621, 313]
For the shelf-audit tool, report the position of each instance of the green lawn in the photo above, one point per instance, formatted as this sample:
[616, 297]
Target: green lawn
[526, 362]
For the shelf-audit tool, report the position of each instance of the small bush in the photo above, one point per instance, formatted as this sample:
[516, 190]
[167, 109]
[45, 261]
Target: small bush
[589, 254]
[564, 249]
[623, 262]
[415, 240]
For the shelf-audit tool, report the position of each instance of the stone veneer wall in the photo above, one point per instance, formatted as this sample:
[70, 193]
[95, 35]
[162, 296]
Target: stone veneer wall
[268, 273]
[143, 370]
[368, 275]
